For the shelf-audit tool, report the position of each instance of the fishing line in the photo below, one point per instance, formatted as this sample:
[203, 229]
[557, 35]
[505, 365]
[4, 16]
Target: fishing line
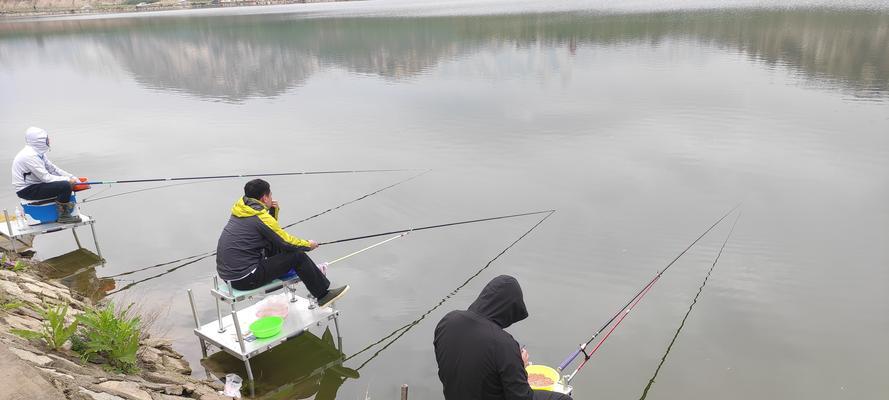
[623, 310]
[690, 307]
[472, 221]
[105, 189]
[213, 252]
[95, 197]
[401, 331]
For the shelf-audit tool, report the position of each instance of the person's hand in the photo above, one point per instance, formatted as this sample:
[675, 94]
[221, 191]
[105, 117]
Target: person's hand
[73, 180]
[323, 268]
[525, 357]
[274, 204]
[312, 245]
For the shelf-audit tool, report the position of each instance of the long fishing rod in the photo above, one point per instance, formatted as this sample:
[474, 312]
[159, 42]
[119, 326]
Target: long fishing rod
[627, 307]
[329, 263]
[211, 253]
[436, 226]
[191, 178]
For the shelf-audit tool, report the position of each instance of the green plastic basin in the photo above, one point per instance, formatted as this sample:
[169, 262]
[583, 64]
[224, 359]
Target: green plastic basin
[266, 327]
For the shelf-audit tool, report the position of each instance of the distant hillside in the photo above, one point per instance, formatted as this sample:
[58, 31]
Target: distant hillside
[40, 7]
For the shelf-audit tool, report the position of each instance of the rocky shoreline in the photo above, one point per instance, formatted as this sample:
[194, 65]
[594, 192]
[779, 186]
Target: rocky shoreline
[31, 370]
[15, 9]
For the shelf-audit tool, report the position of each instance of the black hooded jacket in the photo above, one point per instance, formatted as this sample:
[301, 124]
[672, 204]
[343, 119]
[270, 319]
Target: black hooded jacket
[477, 359]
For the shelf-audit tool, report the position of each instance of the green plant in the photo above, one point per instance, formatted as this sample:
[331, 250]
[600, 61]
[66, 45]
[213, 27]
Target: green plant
[55, 332]
[9, 305]
[20, 266]
[111, 335]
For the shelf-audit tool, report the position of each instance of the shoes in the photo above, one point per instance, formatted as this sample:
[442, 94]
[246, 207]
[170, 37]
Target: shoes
[66, 211]
[332, 295]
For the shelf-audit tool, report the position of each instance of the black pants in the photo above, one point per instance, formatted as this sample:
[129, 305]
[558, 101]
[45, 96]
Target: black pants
[273, 267]
[61, 190]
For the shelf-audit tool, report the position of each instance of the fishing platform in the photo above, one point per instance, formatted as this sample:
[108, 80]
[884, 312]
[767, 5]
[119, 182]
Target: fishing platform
[20, 232]
[229, 333]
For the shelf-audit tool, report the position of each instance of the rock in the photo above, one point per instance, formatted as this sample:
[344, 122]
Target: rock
[11, 289]
[174, 389]
[28, 356]
[28, 383]
[213, 396]
[64, 364]
[128, 389]
[17, 322]
[152, 358]
[164, 377]
[27, 312]
[217, 385]
[7, 274]
[189, 388]
[99, 395]
[161, 396]
[56, 373]
[158, 343]
[41, 291]
[176, 365]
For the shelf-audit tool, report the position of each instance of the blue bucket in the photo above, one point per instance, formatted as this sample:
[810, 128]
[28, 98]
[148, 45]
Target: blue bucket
[43, 211]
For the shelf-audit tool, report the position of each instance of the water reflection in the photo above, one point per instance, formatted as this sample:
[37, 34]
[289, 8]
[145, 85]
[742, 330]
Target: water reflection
[303, 367]
[237, 57]
[77, 271]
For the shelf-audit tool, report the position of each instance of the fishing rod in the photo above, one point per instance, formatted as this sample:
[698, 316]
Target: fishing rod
[192, 178]
[326, 264]
[329, 263]
[436, 226]
[630, 304]
[210, 253]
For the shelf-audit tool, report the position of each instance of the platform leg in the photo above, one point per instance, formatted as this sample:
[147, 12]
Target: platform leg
[249, 370]
[292, 289]
[218, 309]
[96, 241]
[76, 239]
[197, 322]
[336, 325]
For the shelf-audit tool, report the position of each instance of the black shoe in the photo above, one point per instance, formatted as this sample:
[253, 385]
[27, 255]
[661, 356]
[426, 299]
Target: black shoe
[332, 295]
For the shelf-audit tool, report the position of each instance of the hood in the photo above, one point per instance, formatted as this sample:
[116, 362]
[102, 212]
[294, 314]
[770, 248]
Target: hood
[501, 301]
[247, 207]
[37, 139]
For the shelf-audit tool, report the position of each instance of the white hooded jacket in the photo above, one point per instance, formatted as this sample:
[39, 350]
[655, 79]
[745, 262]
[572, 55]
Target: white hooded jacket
[31, 166]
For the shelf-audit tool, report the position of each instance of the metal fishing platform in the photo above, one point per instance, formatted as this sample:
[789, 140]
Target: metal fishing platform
[229, 333]
[20, 235]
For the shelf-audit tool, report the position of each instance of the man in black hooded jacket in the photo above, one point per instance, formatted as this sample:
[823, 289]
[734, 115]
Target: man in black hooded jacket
[477, 359]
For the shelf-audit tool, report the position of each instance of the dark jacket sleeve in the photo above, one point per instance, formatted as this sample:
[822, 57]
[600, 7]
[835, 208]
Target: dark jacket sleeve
[512, 372]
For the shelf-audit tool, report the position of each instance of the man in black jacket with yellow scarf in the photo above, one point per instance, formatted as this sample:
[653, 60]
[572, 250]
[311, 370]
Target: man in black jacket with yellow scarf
[254, 250]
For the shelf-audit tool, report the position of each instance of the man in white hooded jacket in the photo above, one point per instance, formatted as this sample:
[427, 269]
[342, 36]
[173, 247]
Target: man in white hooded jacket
[35, 177]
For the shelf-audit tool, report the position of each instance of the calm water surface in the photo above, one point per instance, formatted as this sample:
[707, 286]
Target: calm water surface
[641, 124]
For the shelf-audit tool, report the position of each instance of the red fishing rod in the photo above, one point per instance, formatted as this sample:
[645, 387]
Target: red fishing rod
[622, 313]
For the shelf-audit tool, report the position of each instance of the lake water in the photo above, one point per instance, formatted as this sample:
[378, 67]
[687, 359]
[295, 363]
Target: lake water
[640, 123]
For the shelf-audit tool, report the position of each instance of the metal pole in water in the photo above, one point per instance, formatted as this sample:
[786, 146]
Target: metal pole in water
[404, 392]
